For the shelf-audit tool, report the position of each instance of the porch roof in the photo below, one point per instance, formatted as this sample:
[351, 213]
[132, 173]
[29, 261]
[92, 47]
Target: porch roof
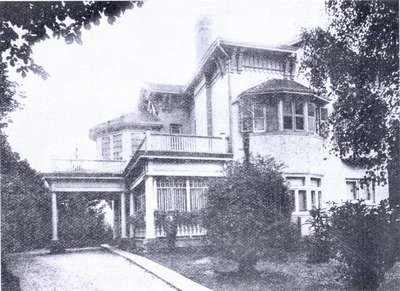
[281, 86]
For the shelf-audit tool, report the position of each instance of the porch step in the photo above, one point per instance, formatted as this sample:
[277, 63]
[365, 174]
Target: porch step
[167, 275]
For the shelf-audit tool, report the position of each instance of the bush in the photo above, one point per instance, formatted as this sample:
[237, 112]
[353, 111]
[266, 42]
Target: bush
[318, 243]
[366, 240]
[248, 211]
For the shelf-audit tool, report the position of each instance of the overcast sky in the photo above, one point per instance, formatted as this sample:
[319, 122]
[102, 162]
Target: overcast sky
[100, 79]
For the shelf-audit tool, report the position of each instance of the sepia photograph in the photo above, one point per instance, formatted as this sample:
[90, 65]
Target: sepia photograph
[194, 145]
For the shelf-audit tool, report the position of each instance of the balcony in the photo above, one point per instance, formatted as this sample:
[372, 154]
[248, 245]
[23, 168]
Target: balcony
[88, 166]
[184, 143]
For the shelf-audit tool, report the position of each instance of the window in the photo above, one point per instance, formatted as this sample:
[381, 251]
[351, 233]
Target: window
[311, 117]
[171, 194]
[319, 199]
[175, 128]
[287, 115]
[105, 147]
[117, 147]
[259, 117]
[352, 189]
[246, 119]
[271, 111]
[313, 200]
[302, 200]
[316, 182]
[299, 115]
[198, 189]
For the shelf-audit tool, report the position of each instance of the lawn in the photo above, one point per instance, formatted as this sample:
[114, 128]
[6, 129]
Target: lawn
[292, 273]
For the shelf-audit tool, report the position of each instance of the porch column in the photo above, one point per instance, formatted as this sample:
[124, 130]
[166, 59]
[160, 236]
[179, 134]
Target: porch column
[123, 215]
[131, 212]
[114, 225]
[280, 114]
[54, 217]
[151, 206]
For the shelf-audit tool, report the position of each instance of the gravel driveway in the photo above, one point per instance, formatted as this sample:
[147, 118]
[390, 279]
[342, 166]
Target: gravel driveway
[83, 270]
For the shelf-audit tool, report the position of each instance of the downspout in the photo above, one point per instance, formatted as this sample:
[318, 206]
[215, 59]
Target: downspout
[230, 141]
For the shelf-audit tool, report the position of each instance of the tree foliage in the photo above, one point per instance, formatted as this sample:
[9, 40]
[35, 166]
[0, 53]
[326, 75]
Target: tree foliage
[23, 24]
[356, 60]
[366, 240]
[248, 211]
[25, 203]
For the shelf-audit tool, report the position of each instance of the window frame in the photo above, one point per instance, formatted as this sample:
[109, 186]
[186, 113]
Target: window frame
[106, 150]
[176, 126]
[263, 117]
[117, 144]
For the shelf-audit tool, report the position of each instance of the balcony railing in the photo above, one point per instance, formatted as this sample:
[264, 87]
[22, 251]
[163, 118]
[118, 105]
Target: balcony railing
[184, 143]
[88, 166]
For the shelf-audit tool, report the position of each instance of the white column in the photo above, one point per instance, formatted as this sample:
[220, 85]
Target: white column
[131, 212]
[280, 114]
[123, 215]
[114, 226]
[54, 216]
[151, 206]
[188, 206]
[148, 140]
[305, 114]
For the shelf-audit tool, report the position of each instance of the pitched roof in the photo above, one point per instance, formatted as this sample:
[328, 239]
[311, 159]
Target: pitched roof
[140, 120]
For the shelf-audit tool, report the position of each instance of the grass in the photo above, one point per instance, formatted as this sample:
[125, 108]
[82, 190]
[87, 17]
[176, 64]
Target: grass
[292, 273]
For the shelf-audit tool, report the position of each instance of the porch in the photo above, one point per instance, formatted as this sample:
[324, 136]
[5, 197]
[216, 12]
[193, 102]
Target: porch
[166, 173]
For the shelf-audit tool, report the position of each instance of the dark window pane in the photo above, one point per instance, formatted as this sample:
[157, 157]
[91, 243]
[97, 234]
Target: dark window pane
[313, 200]
[287, 122]
[299, 108]
[302, 200]
[287, 108]
[311, 109]
[300, 123]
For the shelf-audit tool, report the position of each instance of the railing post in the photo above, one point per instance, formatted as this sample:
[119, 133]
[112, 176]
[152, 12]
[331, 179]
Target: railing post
[188, 206]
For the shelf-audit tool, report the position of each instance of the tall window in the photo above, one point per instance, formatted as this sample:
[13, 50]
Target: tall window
[175, 128]
[302, 200]
[198, 189]
[117, 147]
[311, 117]
[246, 118]
[271, 111]
[299, 115]
[259, 117]
[105, 147]
[352, 189]
[287, 115]
[171, 194]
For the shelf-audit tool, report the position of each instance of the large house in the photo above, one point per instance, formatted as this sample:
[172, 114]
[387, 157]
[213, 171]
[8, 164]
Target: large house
[160, 157]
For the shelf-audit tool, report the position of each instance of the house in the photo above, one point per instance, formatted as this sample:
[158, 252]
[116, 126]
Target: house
[160, 157]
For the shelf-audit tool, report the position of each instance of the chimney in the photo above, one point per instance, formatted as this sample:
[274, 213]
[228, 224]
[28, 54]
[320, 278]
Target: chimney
[203, 36]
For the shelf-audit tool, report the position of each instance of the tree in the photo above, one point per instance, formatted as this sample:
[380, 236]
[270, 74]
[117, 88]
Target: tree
[23, 24]
[25, 203]
[248, 211]
[356, 60]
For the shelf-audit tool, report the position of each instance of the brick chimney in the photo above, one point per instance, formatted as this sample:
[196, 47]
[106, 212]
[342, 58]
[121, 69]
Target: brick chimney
[203, 36]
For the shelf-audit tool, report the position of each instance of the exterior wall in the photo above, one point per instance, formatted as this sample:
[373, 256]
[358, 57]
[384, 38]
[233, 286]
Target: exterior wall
[185, 168]
[220, 106]
[200, 109]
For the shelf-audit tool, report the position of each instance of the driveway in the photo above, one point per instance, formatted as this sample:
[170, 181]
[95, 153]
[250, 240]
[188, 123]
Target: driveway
[82, 270]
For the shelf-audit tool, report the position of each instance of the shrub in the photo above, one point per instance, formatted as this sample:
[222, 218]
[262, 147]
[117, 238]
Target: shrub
[137, 221]
[318, 243]
[246, 210]
[366, 240]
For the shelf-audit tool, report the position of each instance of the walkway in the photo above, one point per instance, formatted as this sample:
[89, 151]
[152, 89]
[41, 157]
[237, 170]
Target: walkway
[85, 270]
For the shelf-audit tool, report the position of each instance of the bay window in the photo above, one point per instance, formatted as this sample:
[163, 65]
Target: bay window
[105, 147]
[117, 147]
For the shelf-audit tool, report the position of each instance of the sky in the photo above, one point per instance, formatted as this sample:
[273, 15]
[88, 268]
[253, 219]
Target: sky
[100, 79]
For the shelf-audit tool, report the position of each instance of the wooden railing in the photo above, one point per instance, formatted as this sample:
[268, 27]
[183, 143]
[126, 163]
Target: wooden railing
[88, 166]
[186, 230]
[184, 143]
